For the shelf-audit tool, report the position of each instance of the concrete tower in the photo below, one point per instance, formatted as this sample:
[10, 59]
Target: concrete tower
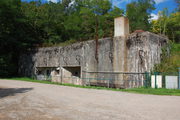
[121, 26]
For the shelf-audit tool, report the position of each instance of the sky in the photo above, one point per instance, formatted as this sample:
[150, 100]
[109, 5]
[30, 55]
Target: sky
[160, 4]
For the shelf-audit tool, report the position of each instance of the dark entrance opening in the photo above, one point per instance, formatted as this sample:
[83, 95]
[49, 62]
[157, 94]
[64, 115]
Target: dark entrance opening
[74, 70]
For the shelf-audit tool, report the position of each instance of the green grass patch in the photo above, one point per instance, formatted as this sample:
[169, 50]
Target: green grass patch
[162, 91]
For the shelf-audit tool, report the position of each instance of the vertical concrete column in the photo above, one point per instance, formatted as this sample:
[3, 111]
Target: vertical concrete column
[121, 31]
[121, 26]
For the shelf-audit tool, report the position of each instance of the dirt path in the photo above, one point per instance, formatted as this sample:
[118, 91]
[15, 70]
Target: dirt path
[33, 101]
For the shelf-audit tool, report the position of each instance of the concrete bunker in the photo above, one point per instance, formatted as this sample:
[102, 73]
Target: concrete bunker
[67, 74]
[122, 60]
[75, 71]
[45, 73]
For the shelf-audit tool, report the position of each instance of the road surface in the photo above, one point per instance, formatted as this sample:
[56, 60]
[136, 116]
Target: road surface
[34, 101]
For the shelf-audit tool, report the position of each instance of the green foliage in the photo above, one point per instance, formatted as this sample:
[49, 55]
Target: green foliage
[173, 27]
[91, 18]
[16, 35]
[48, 17]
[162, 22]
[169, 63]
[178, 5]
[167, 25]
[138, 13]
[66, 20]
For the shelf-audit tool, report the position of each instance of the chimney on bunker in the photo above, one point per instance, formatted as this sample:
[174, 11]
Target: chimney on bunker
[121, 26]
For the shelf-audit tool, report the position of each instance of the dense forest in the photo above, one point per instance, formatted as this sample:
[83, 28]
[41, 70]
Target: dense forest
[24, 25]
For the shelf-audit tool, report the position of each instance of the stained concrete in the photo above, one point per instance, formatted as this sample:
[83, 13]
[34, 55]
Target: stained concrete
[137, 53]
[121, 26]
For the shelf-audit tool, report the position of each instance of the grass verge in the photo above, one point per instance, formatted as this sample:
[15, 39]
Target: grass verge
[162, 91]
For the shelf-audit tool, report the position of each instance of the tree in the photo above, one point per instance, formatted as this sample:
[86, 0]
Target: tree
[168, 25]
[178, 5]
[138, 13]
[49, 17]
[72, 19]
[173, 27]
[160, 26]
[16, 35]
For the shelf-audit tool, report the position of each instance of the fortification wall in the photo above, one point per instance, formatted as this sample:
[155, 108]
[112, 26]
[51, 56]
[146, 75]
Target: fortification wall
[137, 52]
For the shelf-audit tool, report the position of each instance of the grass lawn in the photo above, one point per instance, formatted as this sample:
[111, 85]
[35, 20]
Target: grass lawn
[162, 91]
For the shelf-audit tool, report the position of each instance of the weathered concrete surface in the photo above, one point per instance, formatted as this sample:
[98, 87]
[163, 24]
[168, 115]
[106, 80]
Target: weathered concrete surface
[137, 52]
[144, 51]
[79, 54]
[121, 26]
[34, 101]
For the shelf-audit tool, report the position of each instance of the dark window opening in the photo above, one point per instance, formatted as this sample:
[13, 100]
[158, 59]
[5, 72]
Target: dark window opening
[75, 71]
[48, 72]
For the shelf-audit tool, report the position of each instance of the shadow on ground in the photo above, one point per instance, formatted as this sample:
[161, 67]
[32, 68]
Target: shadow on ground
[5, 92]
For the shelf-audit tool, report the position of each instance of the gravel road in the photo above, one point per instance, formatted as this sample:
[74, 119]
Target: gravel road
[34, 101]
